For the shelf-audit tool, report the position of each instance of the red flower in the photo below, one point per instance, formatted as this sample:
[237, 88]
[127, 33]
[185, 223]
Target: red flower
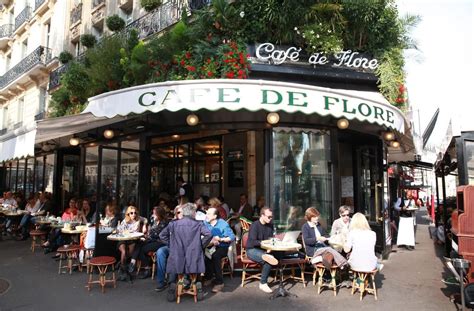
[230, 75]
[191, 68]
[210, 74]
[208, 60]
[188, 55]
[241, 72]
[401, 88]
[182, 62]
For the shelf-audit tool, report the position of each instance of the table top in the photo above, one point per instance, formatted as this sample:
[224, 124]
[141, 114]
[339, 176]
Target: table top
[79, 229]
[280, 245]
[43, 222]
[125, 236]
[410, 209]
[13, 214]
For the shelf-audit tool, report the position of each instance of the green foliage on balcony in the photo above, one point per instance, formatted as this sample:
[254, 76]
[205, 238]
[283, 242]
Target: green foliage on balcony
[211, 44]
[150, 5]
[88, 40]
[115, 23]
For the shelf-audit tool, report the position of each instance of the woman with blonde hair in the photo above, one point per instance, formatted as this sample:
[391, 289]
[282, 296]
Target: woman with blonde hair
[130, 224]
[361, 243]
[217, 204]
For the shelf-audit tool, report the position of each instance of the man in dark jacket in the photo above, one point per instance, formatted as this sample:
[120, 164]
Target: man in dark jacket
[187, 239]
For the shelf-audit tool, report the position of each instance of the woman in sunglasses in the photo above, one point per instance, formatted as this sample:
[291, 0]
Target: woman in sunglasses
[130, 224]
[340, 228]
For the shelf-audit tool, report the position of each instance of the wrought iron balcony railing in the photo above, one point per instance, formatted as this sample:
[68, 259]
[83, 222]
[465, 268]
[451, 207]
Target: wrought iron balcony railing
[6, 30]
[3, 131]
[76, 14]
[39, 116]
[41, 55]
[38, 3]
[55, 76]
[23, 17]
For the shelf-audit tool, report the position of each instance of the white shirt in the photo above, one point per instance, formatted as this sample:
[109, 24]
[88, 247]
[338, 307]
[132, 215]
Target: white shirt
[362, 243]
[10, 202]
[316, 231]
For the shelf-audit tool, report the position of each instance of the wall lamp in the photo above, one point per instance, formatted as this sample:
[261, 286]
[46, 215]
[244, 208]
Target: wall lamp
[388, 136]
[109, 134]
[74, 141]
[394, 144]
[342, 123]
[192, 119]
[273, 118]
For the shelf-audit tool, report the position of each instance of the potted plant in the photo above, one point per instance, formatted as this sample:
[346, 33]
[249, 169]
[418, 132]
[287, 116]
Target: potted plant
[65, 57]
[115, 23]
[150, 5]
[88, 40]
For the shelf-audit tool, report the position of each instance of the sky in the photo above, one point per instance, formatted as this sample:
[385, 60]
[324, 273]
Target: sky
[440, 73]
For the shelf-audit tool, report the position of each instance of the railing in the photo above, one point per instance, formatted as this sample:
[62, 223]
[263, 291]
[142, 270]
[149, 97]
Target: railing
[18, 125]
[41, 55]
[23, 17]
[38, 3]
[97, 2]
[148, 25]
[76, 14]
[6, 30]
[3, 131]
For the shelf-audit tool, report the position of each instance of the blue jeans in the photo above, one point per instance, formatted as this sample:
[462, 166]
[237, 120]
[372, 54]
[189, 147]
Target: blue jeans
[256, 255]
[161, 258]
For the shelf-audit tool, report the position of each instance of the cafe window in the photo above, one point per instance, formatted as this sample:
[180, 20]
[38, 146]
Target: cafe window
[128, 194]
[207, 167]
[90, 174]
[8, 171]
[49, 173]
[109, 175]
[20, 181]
[13, 175]
[470, 161]
[39, 177]
[301, 176]
[30, 165]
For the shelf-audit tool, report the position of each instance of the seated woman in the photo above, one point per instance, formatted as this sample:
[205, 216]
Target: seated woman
[85, 212]
[151, 243]
[361, 243]
[112, 217]
[217, 204]
[340, 228]
[54, 238]
[130, 224]
[314, 240]
[31, 208]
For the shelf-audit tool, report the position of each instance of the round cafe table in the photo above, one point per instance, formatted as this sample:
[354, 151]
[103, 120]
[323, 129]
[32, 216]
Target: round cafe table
[280, 246]
[125, 236]
[74, 233]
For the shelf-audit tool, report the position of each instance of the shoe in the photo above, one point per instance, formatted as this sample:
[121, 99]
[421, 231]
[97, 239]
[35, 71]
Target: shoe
[316, 260]
[161, 287]
[270, 259]
[145, 274]
[218, 288]
[379, 267]
[265, 288]
[171, 294]
[131, 267]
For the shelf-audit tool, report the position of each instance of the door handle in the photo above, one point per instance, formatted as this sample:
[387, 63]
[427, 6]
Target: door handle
[381, 218]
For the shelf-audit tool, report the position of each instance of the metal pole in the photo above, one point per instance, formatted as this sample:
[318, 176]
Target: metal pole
[447, 244]
[461, 282]
[437, 202]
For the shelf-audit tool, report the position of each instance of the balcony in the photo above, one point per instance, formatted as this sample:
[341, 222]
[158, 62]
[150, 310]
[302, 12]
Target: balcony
[18, 125]
[3, 131]
[22, 18]
[55, 76]
[30, 66]
[39, 116]
[41, 6]
[98, 14]
[75, 33]
[126, 5]
[5, 34]
[76, 15]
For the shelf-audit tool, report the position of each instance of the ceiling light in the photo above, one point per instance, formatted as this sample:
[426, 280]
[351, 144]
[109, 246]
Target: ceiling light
[74, 141]
[175, 136]
[273, 118]
[388, 136]
[395, 144]
[192, 119]
[343, 123]
[109, 134]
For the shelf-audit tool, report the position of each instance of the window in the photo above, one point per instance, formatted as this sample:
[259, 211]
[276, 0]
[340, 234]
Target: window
[19, 112]
[469, 158]
[301, 176]
[8, 62]
[24, 49]
[48, 34]
[42, 100]
[77, 49]
[5, 117]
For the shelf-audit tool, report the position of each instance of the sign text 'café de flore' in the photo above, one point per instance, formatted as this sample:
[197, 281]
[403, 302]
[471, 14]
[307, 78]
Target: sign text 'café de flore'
[252, 95]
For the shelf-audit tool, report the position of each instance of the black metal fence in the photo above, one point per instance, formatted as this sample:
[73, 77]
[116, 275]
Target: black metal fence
[23, 17]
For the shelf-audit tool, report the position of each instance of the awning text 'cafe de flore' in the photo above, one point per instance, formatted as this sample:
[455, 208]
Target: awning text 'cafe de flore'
[301, 132]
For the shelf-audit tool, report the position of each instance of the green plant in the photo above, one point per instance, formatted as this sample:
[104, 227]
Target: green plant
[88, 40]
[321, 37]
[65, 57]
[150, 5]
[115, 23]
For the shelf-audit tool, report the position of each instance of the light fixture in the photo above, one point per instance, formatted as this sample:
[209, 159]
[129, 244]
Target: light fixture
[343, 123]
[192, 119]
[388, 136]
[45, 147]
[175, 136]
[273, 118]
[394, 144]
[109, 134]
[74, 141]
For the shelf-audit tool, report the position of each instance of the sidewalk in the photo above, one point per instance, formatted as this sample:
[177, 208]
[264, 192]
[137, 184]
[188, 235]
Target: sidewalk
[410, 280]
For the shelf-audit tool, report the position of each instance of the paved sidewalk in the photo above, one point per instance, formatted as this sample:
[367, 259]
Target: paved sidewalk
[410, 280]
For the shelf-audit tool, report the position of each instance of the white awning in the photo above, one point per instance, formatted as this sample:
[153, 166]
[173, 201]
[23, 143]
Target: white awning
[55, 128]
[252, 95]
[16, 147]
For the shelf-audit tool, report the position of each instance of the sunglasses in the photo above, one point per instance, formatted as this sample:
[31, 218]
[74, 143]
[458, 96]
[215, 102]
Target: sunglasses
[345, 215]
[132, 213]
[269, 217]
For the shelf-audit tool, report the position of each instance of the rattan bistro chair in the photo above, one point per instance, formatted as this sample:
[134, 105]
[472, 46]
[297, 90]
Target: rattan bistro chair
[248, 265]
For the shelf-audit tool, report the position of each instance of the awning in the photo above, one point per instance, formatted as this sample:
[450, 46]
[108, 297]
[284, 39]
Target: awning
[252, 95]
[54, 128]
[20, 146]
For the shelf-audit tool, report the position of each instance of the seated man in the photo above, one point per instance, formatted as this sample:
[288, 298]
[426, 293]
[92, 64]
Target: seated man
[222, 236]
[259, 231]
[187, 239]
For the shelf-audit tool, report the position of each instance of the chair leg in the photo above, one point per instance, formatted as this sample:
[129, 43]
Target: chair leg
[373, 285]
[333, 281]
[243, 276]
[320, 279]
[354, 282]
